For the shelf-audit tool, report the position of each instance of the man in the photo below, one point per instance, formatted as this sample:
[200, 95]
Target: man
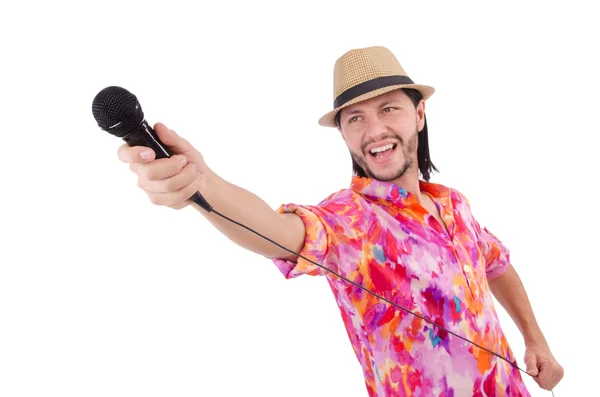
[405, 239]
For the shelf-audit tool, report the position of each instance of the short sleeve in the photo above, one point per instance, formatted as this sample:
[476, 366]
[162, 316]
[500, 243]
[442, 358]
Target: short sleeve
[319, 224]
[334, 236]
[495, 253]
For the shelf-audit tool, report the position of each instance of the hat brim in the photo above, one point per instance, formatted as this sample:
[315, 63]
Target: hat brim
[328, 120]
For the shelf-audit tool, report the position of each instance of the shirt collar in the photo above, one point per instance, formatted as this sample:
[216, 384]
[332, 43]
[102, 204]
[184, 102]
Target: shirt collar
[391, 192]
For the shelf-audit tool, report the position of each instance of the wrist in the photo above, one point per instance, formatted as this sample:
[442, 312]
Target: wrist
[212, 181]
[534, 338]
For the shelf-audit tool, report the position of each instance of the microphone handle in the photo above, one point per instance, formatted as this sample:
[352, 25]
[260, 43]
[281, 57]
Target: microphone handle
[144, 135]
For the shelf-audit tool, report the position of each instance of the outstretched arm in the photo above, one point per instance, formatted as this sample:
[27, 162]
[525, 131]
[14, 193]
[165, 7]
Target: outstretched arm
[172, 181]
[541, 364]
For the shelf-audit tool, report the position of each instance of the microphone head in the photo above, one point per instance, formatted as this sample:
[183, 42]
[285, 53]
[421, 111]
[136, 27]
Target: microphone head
[117, 111]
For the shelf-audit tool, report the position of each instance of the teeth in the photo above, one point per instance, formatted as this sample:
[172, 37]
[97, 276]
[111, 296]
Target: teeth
[382, 149]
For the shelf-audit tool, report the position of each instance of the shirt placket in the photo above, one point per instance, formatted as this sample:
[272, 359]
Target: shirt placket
[465, 267]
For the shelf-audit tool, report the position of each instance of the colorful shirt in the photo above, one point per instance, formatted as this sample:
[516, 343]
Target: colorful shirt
[378, 235]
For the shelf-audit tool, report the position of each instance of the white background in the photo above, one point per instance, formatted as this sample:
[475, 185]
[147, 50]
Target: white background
[103, 293]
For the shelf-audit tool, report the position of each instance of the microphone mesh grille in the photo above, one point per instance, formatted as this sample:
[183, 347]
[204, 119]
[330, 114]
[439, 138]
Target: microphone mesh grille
[117, 111]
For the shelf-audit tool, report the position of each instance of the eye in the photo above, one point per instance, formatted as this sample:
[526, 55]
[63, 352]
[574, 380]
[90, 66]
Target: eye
[353, 119]
[388, 109]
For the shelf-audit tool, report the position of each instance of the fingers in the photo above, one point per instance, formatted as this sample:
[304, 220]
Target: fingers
[167, 181]
[543, 376]
[170, 138]
[136, 154]
[160, 168]
[141, 154]
[171, 184]
[531, 363]
[178, 199]
[549, 375]
[558, 374]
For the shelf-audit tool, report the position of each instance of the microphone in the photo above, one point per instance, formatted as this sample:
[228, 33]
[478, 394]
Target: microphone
[118, 112]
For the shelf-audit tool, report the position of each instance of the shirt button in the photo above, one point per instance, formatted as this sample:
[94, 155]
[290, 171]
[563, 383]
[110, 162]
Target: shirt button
[466, 268]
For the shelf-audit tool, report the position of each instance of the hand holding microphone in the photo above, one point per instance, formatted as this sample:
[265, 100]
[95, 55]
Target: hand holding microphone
[167, 181]
[169, 169]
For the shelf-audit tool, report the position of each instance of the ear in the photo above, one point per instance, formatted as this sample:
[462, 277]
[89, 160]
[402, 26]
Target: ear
[421, 115]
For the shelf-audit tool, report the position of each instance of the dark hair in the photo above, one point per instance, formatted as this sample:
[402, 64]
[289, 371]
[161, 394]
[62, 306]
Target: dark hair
[426, 167]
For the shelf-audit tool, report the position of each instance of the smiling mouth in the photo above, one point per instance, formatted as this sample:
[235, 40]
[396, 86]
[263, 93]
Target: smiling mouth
[387, 150]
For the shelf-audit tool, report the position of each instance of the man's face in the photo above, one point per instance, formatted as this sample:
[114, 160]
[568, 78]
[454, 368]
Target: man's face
[382, 134]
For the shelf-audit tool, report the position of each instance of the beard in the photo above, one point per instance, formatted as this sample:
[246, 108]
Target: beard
[361, 168]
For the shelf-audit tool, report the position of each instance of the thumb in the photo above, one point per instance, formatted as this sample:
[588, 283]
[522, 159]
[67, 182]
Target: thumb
[531, 363]
[177, 144]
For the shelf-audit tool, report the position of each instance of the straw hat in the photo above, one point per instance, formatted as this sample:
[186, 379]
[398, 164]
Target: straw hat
[365, 73]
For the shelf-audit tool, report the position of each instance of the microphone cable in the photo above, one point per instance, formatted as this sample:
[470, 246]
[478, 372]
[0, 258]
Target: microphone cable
[118, 112]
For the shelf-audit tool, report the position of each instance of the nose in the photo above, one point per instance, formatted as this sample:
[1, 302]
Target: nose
[376, 130]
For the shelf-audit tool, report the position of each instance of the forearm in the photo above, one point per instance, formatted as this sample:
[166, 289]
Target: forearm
[250, 210]
[510, 292]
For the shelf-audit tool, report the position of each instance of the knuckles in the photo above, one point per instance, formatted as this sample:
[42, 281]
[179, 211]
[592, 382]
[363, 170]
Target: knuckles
[169, 185]
[155, 199]
[177, 190]
[147, 173]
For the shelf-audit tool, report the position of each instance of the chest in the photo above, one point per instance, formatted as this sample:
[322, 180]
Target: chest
[424, 248]
[433, 211]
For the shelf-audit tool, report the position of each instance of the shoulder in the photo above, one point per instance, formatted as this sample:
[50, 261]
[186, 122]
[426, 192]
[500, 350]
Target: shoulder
[340, 212]
[458, 200]
[462, 208]
[343, 203]
[459, 197]
[455, 195]
[329, 209]
[341, 197]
